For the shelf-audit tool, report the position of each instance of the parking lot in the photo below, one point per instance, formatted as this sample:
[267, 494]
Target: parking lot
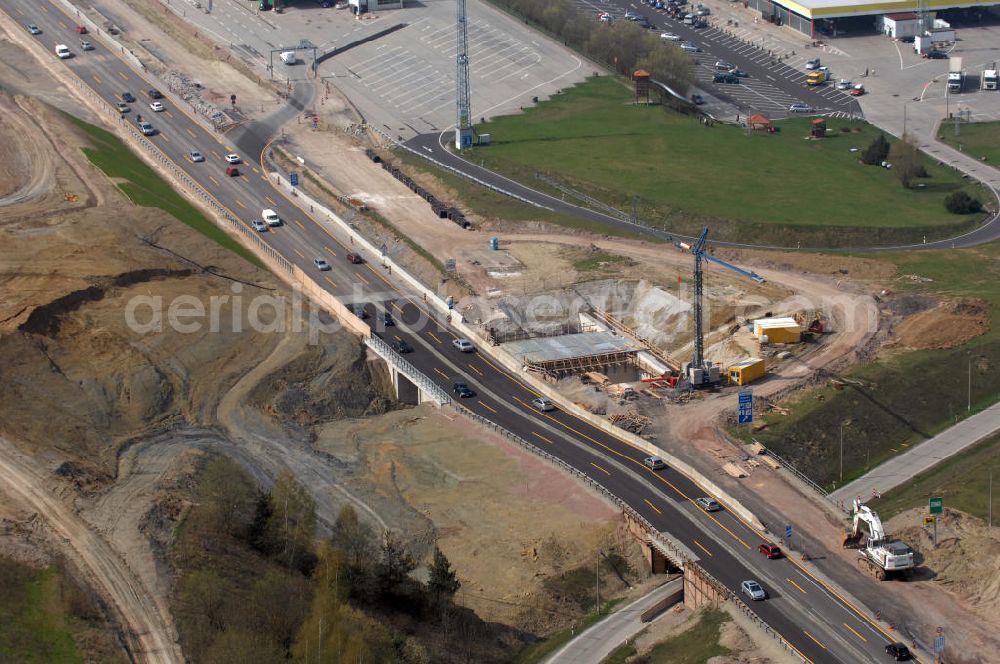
[403, 82]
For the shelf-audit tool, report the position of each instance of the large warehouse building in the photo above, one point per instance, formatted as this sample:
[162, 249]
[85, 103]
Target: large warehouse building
[814, 17]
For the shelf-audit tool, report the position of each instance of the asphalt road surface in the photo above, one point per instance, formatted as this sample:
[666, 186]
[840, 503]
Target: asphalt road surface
[811, 616]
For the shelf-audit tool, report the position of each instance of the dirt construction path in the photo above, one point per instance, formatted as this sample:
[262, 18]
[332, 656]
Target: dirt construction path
[148, 631]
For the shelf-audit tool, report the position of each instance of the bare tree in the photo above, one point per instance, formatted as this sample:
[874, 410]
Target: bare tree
[907, 162]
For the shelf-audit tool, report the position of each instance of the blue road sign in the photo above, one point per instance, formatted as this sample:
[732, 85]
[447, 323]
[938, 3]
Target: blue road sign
[788, 532]
[744, 411]
[294, 179]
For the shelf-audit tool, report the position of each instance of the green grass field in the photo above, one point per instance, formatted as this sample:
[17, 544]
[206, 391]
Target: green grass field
[963, 481]
[145, 187]
[762, 187]
[978, 139]
[537, 652]
[905, 397]
[33, 619]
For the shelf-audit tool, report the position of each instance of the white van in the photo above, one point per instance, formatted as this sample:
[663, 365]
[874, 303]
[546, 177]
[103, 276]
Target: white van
[62, 50]
[289, 57]
[270, 217]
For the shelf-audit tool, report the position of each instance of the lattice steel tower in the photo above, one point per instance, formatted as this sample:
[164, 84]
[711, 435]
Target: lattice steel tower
[463, 123]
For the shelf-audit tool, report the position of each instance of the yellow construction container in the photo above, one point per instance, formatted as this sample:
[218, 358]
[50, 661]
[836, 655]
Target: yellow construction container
[778, 330]
[746, 371]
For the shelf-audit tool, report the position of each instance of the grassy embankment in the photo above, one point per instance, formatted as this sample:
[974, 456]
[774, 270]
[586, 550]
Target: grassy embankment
[146, 188]
[977, 139]
[904, 397]
[766, 188]
[693, 646]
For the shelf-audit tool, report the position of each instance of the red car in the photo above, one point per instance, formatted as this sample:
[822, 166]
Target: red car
[232, 171]
[81, 29]
[770, 550]
[857, 90]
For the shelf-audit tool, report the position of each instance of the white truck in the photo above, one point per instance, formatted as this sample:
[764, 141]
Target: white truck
[289, 57]
[955, 75]
[988, 80]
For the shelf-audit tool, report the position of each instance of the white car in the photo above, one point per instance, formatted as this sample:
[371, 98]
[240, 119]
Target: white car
[342, 5]
[321, 264]
[813, 64]
[800, 108]
[271, 217]
[753, 590]
[196, 156]
[156, 106]
[844, 84]
[62, 50]
[34, 29]
[543, 404]
[688, 46]
[463, 345]
[670, 36]
[233, 158]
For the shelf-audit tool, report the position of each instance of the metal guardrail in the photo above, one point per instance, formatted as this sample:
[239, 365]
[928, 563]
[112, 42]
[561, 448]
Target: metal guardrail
[415, 376]
[795, 471]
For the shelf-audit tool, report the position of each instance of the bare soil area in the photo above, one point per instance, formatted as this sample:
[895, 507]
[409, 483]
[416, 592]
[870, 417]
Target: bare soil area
[949, 324]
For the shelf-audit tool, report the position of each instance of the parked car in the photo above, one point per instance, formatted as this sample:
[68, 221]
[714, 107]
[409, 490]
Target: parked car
[708, 504]
[196, 156]
[127, 97]
[799, 107]
[354, 257]
[654, 463]
[400, 346]
[670, 36]
[753, 590]
[722, 65]
[933, 54]
[387, 319]
[772, 551]
[463, 391]
[857, 90]
[543, 404]
[233, 158]
[34, 29]
[898, 652]
[844, 84]
[813, 64]
[258, 225]
[739, 73]
[697, 100]
[689, 47]
[463, 345]
[155, 94]
[156, 107]
[321, 264]
[726, 77]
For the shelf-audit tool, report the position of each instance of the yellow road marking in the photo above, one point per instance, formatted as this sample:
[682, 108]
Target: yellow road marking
[817, 641]
[254, 169]
[122, 74]
[486, 407]
[540, 436]
[94, 76]
[599, 468]
[301, 226]
[367, 283]
[331, 281]
[301, 255]
[167, 113]
[475, 369]
[219, 156]
[796, 585]
[213, 180]
[698, 544]
[434, 337]
[658, 510]
[855, 633]
[330, 250]
[164, 137]
[188, 130]
[240, 203]
[270, 200]
[441, 373]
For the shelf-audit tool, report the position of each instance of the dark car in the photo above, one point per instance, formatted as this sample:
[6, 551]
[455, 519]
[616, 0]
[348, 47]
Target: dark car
[898, 652]
[155, 94]
[400, 346]
[937, 55]
[725, 78]
[359, 311]
[127, 97]
[697, 99]
[770, 550]
[463, 391]
[354, 257]
[387, 319]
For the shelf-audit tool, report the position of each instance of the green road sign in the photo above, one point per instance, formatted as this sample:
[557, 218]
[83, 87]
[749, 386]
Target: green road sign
[935, 505]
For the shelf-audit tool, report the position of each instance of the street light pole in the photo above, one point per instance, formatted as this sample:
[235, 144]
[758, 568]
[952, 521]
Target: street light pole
[597, 571]
[968, 408]
[842, 454]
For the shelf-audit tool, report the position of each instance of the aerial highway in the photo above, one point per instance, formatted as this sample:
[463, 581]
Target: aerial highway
[816, 620]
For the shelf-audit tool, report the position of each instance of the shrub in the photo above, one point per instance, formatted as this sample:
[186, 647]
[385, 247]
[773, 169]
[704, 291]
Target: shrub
[959, 202]
[876, 152]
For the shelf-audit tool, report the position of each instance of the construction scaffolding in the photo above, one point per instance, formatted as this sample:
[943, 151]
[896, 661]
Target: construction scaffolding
[557, 368]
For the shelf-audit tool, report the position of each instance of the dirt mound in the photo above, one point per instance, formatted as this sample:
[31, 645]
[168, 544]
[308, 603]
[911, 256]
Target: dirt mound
[966, 559]
[950, 324]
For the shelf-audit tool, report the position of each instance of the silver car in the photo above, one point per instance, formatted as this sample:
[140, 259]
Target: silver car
[654, 463]
[708, 504]
[463, 345]
[259, 226]
[543, 404]
[753, 590]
